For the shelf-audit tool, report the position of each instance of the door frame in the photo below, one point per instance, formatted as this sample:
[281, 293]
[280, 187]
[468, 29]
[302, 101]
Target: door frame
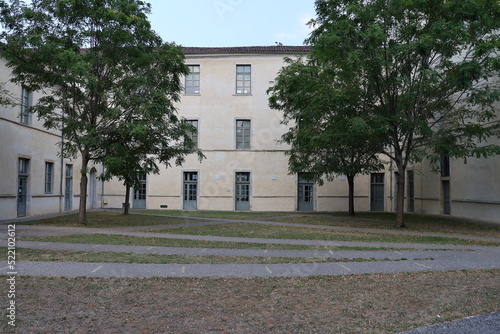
[249, 183]
[184, 183]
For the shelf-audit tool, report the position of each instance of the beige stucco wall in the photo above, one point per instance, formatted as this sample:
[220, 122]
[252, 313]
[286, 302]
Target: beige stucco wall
[475, 186]
[37, 144]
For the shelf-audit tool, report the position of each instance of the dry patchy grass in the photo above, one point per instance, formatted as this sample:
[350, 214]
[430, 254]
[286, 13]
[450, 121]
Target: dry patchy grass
[369, 304]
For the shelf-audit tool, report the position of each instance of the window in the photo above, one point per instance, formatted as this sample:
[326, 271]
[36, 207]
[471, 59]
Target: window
[445, 165]
[26, 103]
[243, 134]
[23, 166]
[193, 80]
[49, 177]
[243, 79]
[193, 135]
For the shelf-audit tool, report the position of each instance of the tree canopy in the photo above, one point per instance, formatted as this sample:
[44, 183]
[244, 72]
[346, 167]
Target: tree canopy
[426, 71]
[102, 69]
[330, 134]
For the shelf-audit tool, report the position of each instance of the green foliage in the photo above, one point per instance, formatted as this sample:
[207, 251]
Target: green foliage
[5, 97]
[330, 133]
[428, 69]
[422, 74]
[109, 78]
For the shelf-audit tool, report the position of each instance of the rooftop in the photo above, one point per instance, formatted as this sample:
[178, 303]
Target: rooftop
[248, 49]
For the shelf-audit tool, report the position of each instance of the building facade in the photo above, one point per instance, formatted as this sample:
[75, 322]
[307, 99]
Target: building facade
[35, 179]
[245, 168]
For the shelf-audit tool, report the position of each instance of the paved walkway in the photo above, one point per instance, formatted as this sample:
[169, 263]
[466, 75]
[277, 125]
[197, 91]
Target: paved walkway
[408, 257]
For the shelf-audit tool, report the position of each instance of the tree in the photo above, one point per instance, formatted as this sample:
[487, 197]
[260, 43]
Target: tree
[428, 73]
[5, 97]
[137, 146]
[100, 65]
[330, 134]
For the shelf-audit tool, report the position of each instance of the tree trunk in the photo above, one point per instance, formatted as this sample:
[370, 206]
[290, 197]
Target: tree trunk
[350, 181]
[127, 200]
[82, 217]
[400, 196]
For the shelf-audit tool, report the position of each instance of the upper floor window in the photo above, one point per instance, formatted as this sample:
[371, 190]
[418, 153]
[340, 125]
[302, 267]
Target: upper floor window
[243, 134]
[243, 79]
[193, 135]
[26, 103]
[192, 85]
[445, 165]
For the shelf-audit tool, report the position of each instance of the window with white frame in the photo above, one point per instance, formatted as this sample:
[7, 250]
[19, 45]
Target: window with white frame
[243, 79]
[193, 135]
[192, 84]
[243, 134]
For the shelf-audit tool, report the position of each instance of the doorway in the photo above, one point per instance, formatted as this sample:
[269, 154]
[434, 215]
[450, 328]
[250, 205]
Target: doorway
[305, 193]
[377, 192]
[190, 191]
[243, 191]
[139, 201]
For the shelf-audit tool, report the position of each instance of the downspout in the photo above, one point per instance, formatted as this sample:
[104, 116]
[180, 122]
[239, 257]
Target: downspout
[391, 172]
[102, 189]
[61, 183]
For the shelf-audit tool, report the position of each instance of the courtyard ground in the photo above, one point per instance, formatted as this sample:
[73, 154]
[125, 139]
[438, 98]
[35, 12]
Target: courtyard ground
[343, 302]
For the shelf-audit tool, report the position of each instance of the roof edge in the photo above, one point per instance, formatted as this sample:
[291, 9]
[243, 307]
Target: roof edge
[274, 49]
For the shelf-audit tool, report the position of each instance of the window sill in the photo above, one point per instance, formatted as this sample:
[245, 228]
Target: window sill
[192, 94]
[242, 94]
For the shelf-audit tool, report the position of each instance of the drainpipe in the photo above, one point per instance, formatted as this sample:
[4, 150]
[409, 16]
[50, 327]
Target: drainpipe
[391, 184]
[61, 183]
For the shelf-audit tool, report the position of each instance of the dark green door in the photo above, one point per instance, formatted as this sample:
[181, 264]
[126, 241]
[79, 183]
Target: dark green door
[446, 198]
[377, 192]
[411, 191]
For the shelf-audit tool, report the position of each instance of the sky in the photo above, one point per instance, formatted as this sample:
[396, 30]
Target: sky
[212, 23]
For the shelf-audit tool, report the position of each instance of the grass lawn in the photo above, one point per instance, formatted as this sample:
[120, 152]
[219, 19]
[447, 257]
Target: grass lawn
[242, 215]
[368, 304]
[385, 220]
[106, 239]
[111, 219]
[26, 254]
[377, 220]
[252, 230]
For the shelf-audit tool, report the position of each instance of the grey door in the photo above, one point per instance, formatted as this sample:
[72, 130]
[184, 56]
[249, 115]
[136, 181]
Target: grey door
[190, 191]
[377, 192]
[139, 201]
[22, 187]
[446, 198]
[243, 191]
[22, 196]
[305, 194]
[411, 192]
[68, 188]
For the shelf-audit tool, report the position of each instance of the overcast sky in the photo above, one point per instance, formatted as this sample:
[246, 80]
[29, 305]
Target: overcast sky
[232, 22]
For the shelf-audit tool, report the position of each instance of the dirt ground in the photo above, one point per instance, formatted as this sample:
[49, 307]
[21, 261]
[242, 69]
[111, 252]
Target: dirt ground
[385, 303]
